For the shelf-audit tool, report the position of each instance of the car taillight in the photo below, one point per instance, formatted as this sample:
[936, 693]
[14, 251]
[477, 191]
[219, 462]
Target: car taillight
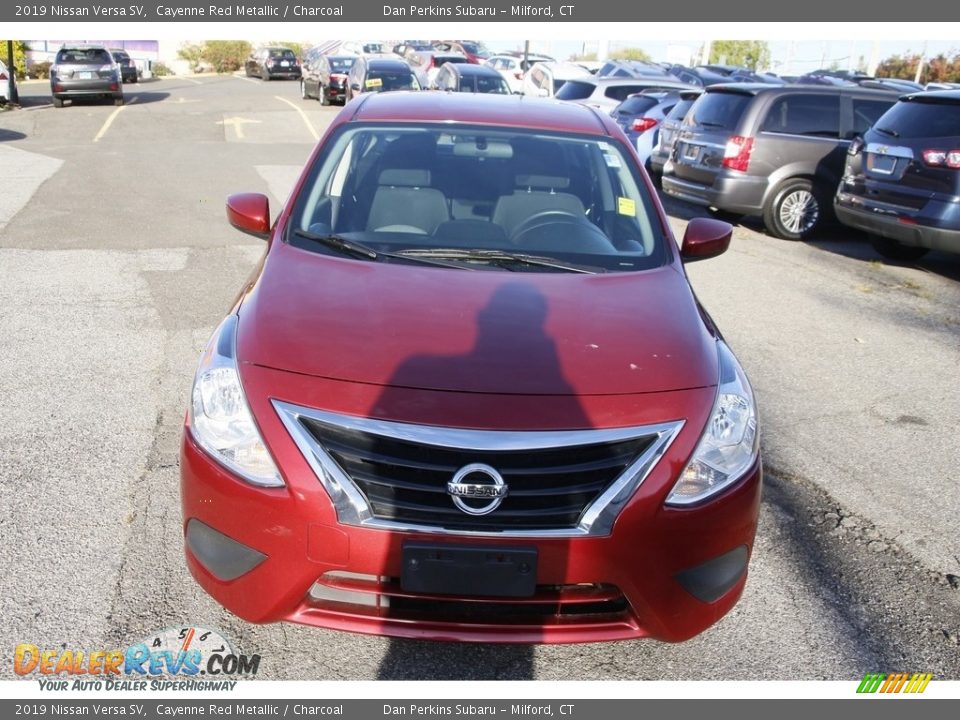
[269, 63]
[942, 158]
[105, 68]
[3, 75]
[736, 155]
[518, 75]
[643, 124]
[856, 145]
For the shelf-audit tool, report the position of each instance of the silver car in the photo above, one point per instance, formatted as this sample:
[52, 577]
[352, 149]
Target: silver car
[85, 71]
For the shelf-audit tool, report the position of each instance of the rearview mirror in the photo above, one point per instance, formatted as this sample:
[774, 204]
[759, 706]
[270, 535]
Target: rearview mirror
[705, 238]
[250, 212]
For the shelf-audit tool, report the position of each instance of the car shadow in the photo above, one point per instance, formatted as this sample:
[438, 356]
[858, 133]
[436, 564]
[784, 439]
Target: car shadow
[854, 244]
[10, 135]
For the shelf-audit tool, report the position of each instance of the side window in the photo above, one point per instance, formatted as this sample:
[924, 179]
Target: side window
[866, 113]
[813, 115]
[443, 79]
[537, 77]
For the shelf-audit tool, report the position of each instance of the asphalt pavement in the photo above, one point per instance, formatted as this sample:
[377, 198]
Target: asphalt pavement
[116, 263]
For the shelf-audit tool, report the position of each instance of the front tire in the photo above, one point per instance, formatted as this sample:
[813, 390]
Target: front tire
[303, 91]
[893, 250]
[795, 211]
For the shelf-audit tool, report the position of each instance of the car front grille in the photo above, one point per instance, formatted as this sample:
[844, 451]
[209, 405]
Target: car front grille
[396, 475]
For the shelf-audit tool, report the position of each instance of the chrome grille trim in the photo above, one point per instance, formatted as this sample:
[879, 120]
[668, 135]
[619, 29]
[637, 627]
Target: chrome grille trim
[352, 507]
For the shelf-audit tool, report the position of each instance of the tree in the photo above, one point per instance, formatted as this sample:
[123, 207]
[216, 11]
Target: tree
[226, 56]
[751, 54]
[939, 68]
[19, 56]
[630, 53]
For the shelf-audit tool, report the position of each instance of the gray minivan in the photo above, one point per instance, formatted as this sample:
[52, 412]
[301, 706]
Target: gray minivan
[773, 151]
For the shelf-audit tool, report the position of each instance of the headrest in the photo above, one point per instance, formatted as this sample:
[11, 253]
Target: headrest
[405, 177]
[543, 182]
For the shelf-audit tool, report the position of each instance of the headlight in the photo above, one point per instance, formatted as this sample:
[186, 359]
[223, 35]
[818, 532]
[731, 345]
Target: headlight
[220, 419]
[730, 442]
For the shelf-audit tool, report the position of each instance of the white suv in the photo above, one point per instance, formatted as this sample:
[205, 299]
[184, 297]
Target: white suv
[545, 78]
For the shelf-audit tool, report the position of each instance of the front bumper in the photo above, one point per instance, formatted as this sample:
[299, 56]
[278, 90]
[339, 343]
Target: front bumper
[739, 193]
[653, 576]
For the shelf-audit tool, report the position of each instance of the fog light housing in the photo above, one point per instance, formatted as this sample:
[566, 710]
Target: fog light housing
[712, 580]
[225, 558]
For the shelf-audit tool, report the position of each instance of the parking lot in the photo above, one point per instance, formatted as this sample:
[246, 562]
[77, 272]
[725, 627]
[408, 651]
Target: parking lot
[116, 263]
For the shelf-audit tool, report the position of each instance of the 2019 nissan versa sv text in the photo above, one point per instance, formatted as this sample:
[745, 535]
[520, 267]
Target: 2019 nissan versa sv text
[468, 393]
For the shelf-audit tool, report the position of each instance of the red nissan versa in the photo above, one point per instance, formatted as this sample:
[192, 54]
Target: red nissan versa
[469, 394]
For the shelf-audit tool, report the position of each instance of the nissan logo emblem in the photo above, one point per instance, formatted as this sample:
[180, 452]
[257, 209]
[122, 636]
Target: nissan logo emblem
[474, 484]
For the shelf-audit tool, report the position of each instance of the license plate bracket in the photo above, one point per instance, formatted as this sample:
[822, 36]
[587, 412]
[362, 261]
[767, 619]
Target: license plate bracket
[883, 164]
[482, 570]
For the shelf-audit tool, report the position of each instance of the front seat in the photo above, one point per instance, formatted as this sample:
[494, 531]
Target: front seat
[404, 200]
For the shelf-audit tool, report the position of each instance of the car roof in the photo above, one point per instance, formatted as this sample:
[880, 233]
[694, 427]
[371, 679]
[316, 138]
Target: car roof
[947, 97]
[471, 69]
[745, 88]
[383, 63]
[665, 81]
[515, 111]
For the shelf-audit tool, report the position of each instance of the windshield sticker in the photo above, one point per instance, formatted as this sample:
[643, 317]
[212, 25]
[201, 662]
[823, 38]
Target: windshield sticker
[612, 160]
[626, 206]
[374, 82]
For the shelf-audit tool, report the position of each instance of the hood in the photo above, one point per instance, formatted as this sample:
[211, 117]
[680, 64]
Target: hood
[475, 331]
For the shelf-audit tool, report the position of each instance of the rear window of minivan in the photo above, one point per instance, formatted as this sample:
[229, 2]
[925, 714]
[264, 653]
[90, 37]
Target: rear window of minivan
[721, 110]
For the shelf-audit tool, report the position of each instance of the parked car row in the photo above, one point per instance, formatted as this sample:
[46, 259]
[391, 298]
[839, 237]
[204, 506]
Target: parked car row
[796, 155]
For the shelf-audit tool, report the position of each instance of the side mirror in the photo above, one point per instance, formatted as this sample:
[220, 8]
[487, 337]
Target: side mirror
[250, 212]
[355, 87]
[705, 238]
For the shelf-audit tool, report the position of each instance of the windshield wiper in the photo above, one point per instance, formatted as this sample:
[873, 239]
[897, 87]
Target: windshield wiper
[365, 252]
[337, 242]
[887, 131]
[502, 258]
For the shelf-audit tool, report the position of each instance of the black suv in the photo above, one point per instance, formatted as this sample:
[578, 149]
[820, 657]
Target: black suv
[773, 151]
[380, 74]
[902, 180]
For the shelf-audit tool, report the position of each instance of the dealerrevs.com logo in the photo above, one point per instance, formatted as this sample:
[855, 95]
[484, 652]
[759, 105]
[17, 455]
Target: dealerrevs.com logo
[894, 683]
[178, 658]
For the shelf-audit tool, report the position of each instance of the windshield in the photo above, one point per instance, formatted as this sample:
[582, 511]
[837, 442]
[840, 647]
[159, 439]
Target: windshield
[574, 89]
[718, 110]
[341, 64]
[910, 119]
[385, 80]
[485, 84]
[281, 53]
[446, 190]
[83, 56]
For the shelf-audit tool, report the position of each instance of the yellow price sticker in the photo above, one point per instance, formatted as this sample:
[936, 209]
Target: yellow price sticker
[374, 82]
[626, 206]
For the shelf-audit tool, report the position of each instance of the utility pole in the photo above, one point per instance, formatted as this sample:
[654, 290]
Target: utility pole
[923, 59]
[11, 82]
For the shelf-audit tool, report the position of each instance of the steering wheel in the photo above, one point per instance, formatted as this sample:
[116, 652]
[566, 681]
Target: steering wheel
[545, 217]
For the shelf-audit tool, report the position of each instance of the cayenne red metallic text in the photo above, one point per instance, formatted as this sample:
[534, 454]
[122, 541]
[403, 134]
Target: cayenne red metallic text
[468, 394]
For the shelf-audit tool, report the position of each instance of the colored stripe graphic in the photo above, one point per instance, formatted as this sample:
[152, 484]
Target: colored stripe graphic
[894, 683]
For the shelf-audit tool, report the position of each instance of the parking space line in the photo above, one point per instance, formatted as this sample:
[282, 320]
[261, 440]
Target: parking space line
[109, 121]
[303, 115]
